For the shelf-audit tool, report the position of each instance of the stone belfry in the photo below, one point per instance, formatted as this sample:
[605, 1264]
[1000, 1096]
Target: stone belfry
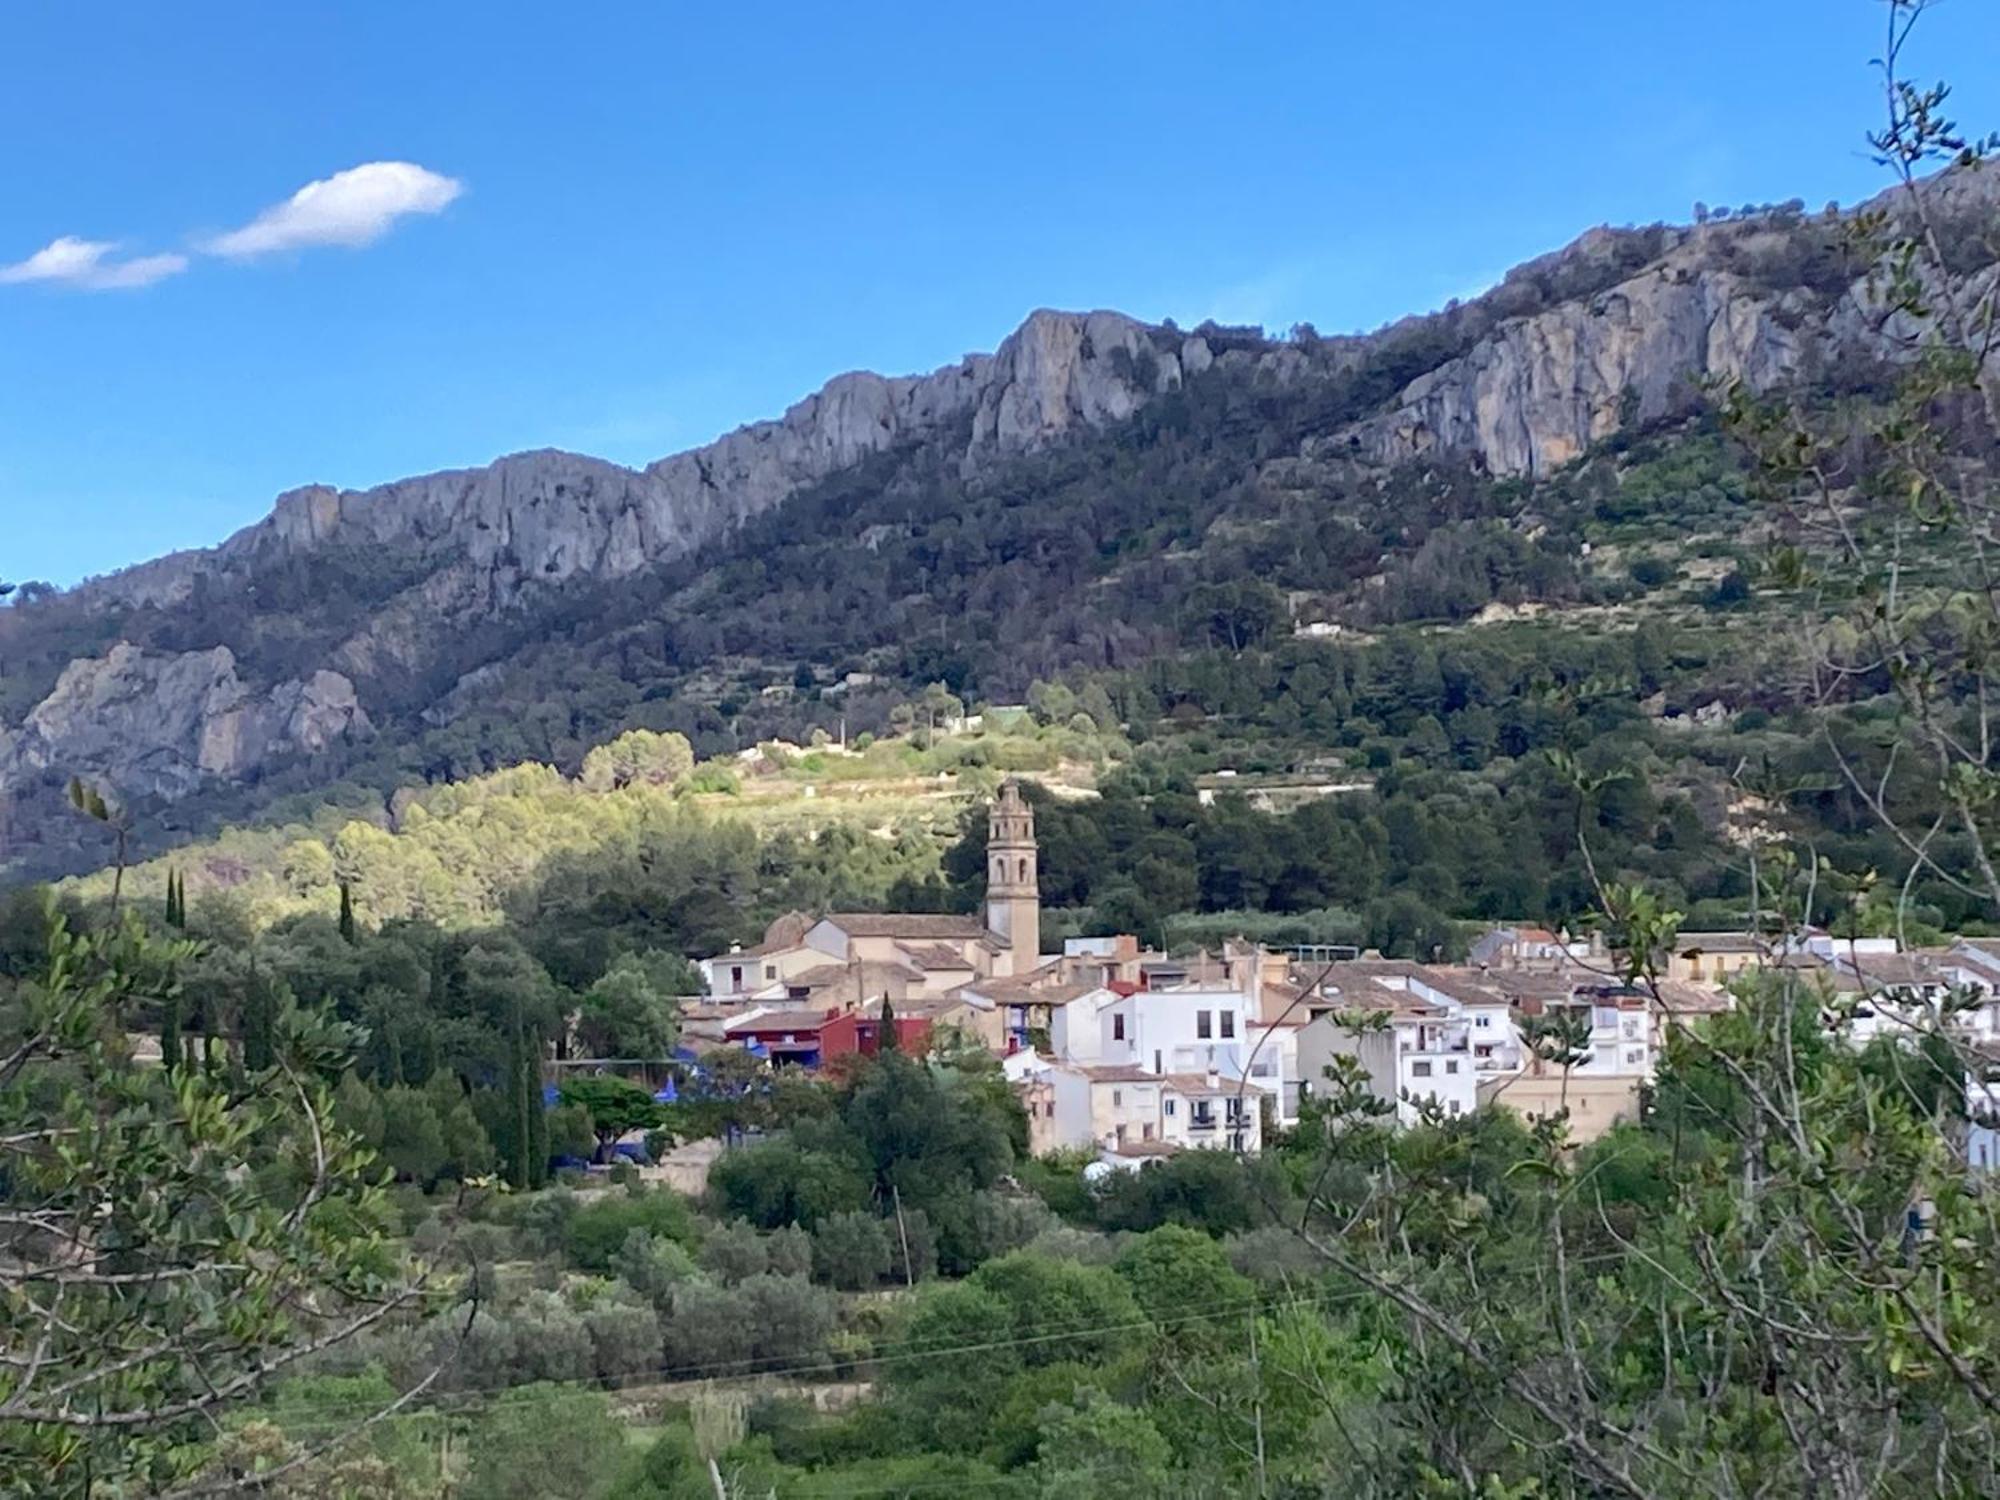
[1013, 899]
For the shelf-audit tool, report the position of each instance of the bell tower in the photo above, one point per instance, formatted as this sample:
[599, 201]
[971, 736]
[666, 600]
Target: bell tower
[1013, 898]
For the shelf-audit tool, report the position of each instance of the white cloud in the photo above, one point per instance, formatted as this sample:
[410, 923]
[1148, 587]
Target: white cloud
[355, 207]
[70, 261]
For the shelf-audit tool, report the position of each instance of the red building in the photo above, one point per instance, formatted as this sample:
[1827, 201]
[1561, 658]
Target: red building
[813, 1038]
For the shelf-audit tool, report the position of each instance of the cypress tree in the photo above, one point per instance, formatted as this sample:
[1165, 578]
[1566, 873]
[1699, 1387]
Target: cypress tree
[392, 1053]
[538, 1115]
[260, 1022]
[523, 1131]
[170, 1028]
[347, 911]
[888, 1041]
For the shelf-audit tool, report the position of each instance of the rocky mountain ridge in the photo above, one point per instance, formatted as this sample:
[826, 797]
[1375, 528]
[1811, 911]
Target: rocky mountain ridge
[549, 516]
[1617, 328]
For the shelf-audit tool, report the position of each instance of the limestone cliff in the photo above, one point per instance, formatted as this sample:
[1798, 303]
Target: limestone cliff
[549, 516]
[1538, 391]
[158, 725]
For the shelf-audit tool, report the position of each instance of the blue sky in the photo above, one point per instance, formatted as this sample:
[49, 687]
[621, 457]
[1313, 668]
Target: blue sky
[627, 228]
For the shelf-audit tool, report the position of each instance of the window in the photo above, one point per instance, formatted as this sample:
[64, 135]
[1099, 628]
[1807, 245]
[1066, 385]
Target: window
[1482, 1022]
[1118, 1098]
[736, 978]
[1635, 1056]
[1117, 1028]
[1451, 1106]
[1229, 1023]
[1168, 1108]
[1204, 1024]
[1420, 1070]
[770, 971]
[1451, 1065]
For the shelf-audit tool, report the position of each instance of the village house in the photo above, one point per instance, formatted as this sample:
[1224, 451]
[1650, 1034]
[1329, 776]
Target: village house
[1125, 1110]
[1415, 1053]
[811, 1039]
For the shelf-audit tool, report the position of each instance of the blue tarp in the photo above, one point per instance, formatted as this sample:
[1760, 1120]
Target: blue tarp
[551, 1096]
[668, 1094]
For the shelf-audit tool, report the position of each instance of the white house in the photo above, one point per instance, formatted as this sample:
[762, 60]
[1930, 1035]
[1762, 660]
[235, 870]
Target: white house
[1126, 1111]
[1411, 1050]
[1982, 1110]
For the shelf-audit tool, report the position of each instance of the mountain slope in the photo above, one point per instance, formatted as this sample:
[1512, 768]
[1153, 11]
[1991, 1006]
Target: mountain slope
[1070, 501]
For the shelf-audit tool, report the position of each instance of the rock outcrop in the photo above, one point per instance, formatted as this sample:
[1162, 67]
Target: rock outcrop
[550, 516]
[1538, 391]
[160, 725]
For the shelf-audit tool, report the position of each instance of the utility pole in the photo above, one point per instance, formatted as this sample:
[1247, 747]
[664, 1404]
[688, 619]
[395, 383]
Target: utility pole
[903, 1234]
[1257, 1404]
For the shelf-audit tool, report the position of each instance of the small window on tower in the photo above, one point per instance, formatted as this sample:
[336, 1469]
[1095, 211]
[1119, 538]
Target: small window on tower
[1117, 1028]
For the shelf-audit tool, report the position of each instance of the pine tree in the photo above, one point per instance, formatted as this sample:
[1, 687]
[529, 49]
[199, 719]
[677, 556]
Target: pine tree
[347, 911]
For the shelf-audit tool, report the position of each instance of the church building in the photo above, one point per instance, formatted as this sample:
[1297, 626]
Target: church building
[845, 959]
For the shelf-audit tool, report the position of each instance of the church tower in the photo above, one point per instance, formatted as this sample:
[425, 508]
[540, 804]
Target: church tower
[1013, 899]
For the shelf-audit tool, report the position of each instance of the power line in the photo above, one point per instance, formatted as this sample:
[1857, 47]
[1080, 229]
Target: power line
[906, 1352]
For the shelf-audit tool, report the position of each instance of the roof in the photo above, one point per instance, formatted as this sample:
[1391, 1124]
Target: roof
[1516, 985]
[1464, 985]
[1027, 990]
[1892, 969]
[934, 956]
[795, 1019]
[1113, 1072]
[1679, 998]
[1201, 1084]
[928, 1008]
[1718, 942]
[1360, 993]
[1146, 1148]
[919, 925]
[868, 975]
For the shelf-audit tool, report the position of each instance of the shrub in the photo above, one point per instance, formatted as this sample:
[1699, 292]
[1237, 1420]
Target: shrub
[596, 1232]
[851, 1250]
[734, 1252]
